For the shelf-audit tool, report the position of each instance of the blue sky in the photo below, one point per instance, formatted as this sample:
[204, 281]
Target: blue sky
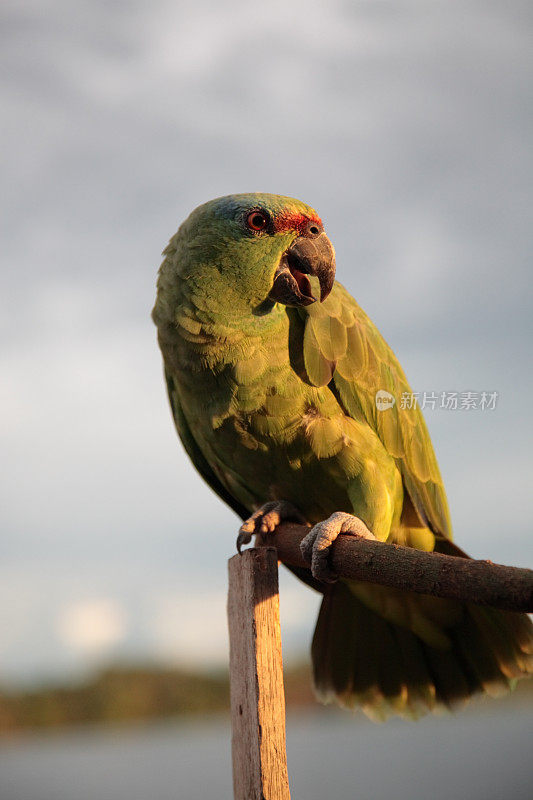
[407, 125]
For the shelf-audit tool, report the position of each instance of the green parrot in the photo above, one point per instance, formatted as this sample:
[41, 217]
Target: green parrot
[272, 372]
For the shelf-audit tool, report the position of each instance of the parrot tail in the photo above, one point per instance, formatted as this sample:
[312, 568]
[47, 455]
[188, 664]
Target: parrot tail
[392, 652]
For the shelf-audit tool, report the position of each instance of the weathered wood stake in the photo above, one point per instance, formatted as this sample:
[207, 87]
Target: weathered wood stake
[256, 677]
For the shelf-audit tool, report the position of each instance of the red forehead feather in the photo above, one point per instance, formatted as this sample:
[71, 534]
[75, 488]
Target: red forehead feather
[294, 222]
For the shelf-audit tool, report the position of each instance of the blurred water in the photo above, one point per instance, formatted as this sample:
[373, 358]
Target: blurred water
[333, 756]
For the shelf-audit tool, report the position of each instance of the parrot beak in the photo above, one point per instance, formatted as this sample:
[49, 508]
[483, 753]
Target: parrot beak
[307, 255]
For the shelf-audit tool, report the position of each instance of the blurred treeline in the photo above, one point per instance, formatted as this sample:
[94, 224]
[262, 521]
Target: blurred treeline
[135, 694]
[125, 693]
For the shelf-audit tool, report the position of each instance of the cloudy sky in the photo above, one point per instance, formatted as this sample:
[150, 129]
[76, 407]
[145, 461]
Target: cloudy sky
[407, 125]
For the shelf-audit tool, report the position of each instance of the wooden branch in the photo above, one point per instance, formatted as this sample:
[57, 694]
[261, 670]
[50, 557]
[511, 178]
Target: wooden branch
[256, 678]
[482, 582]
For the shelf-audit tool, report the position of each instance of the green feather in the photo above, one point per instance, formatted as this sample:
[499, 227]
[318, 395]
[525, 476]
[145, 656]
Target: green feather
[318, 368]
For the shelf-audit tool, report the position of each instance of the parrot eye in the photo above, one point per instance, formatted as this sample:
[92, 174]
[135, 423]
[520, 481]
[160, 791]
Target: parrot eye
[257, 220]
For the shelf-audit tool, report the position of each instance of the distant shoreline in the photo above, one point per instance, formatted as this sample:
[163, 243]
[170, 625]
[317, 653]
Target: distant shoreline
[138, 694]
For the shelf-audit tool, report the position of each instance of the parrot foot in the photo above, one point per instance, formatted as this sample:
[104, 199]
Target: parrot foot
[316, 545]
[266, 519]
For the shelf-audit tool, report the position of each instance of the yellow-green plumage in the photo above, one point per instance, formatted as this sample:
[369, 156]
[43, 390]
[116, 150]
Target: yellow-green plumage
[277, 402]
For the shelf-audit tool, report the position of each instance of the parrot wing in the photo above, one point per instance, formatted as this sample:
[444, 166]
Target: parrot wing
[364, 653]
[195, 454]
[342, 348]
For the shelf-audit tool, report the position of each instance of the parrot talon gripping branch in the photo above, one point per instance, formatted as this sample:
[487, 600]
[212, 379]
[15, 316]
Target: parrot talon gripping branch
[316, 546]
[266, 519]
[272, 370]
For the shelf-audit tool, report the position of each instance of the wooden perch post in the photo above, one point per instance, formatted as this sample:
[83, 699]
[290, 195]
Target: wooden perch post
[256, 678]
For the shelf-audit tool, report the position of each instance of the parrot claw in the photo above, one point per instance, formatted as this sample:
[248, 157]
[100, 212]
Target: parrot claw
[316, 545]
[266, 519]
[242, 539]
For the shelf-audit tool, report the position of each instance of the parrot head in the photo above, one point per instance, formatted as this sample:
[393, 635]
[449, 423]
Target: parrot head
[266, 249]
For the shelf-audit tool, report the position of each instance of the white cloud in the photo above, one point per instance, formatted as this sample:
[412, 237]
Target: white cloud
[92, 626]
